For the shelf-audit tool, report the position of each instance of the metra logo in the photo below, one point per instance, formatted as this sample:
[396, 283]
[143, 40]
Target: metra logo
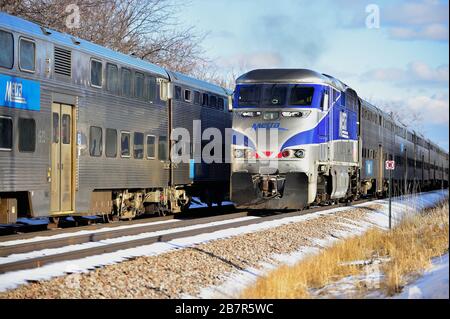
[268, 125]
[13, 93]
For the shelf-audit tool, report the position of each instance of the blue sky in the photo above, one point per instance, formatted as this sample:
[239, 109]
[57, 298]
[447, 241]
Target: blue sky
[403, 65]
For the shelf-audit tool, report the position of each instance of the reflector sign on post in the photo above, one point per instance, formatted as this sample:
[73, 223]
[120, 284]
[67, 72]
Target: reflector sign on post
[390, 165]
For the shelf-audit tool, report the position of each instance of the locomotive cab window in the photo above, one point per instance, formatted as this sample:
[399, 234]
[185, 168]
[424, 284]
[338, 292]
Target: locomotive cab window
[274, 95]
[27, 55]
[125, 144]
[111, 143]
[112, 78]
[151, 146]
[27, 135]
[6, 50]
[138, 145]
[139, 85]
[95, 141]
[6, 129]
[96, 73]
[301, 95]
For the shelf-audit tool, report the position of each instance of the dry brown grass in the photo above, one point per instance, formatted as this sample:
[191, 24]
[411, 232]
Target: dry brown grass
[409, 248]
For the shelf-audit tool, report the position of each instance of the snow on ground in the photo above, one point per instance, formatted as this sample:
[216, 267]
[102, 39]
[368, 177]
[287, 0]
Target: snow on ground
[228, 289]
[434, 283]
[234, 283]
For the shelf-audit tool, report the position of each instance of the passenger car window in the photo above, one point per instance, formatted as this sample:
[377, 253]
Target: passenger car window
[65, 128]
[196, 97]
[139, 85]
[96, 73]
[220, 104]
[6, 49]
[177, 93]
[138, 145]
[151, 146]
[205, 99]
[213, 101]
[187, 95]
[163, 152]
[151, 85]
[112, 78]
[111, 143]
[125, 144]
[6, 127]
[126, 82]
[27, 135]
[27, 54]
[95, 141]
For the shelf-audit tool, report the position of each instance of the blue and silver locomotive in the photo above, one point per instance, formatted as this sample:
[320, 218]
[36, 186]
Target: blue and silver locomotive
[301, 137]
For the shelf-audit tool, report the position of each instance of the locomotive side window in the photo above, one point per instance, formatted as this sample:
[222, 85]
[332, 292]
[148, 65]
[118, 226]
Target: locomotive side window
[138, 145]
[6, 128]
[177, 93]
[151, 86]
[6, 50]
[151, 146]
[163, 152]
[125, 144]
[27, 55]
[65, 128]
[27, 135]
[95, 141]
[196, 97]
[112, 78]
[96, 73]
[126, 82]
[111, 142]
[301, 95]
[139, 85]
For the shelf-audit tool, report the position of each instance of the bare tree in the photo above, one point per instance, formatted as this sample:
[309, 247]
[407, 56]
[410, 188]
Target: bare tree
[148, 29]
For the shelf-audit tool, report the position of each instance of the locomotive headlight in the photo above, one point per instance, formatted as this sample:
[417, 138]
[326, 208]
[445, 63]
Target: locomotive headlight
[292, 114]
[299, 153]
[238, 153]
[250, 114]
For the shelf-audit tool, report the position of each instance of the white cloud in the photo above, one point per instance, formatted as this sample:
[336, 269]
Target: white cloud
[416, 72]
[437, 32]
[255, 60]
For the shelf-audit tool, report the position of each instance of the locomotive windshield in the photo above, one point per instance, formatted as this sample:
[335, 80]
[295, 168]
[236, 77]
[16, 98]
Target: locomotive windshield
[275, 95]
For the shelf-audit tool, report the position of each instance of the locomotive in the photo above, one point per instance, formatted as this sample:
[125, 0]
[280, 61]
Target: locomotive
[301, 137]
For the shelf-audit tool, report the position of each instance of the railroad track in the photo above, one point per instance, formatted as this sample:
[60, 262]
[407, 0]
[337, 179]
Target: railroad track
[185, 228]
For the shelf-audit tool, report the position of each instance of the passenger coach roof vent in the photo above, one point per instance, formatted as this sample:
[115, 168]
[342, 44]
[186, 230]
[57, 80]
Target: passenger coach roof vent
[63, 62]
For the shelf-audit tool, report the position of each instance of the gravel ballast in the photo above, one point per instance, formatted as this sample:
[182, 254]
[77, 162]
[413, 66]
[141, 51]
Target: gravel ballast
[186, 271]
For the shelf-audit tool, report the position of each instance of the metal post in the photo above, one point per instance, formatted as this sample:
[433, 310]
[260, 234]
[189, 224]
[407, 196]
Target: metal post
[390, 193]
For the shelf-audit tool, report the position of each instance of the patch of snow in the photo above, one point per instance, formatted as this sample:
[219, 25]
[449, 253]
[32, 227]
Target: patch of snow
[434, 284]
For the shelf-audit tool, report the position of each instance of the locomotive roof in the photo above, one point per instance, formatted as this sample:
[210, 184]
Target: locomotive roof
[184, 79]
[289, 76]
[32, 29]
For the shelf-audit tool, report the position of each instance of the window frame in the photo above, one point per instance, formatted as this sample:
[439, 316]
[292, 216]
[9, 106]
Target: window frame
[190, 95]
[13, 50]
[34, 62]
[129, 150]
[2, 149]
[90, 72]
[154, 146]
[101, 145]
[106, 142]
